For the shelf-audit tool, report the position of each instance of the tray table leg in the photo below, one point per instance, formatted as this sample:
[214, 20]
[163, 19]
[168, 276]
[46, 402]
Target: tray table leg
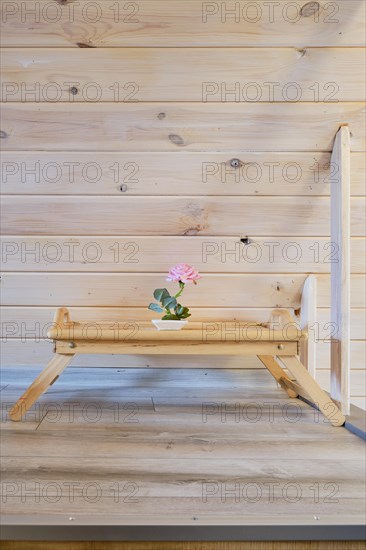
[43, 381]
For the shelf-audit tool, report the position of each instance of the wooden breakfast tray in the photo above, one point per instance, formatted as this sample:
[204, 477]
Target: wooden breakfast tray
[279, 339]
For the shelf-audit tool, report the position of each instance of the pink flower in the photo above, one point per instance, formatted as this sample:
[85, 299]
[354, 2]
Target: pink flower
[184, 273]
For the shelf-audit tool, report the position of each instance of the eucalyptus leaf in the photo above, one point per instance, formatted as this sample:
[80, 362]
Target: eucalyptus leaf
[160, 294]
[169, 302]
[155, 307]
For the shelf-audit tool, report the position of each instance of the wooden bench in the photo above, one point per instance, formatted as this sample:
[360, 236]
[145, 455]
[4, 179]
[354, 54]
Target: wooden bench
[279, 344]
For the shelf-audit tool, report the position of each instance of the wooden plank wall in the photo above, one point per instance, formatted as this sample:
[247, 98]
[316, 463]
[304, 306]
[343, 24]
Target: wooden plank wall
[139, 134]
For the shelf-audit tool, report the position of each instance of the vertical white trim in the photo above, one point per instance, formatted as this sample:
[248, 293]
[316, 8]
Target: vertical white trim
[340, 270]
[307, 322]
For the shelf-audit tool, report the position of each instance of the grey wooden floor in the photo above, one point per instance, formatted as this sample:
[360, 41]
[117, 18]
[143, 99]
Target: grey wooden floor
[175, 444]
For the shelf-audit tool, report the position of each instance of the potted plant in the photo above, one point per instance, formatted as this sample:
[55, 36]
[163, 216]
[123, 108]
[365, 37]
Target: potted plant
[175, 314]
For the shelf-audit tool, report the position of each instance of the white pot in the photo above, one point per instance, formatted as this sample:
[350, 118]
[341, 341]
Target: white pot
[169, 325]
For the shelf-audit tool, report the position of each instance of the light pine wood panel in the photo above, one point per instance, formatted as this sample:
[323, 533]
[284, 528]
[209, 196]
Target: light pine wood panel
[156, 216]
[357, 383]
[37, 352]
[168, 142]
[358, 324]
[357, 354]
[146, 74]
[149, 254]
[111, 289]
[200, 173]
[18, 321]
[29, 317]
[359, 402]
[17, 352]
[190, 127]
[136, 290]
[170, 23]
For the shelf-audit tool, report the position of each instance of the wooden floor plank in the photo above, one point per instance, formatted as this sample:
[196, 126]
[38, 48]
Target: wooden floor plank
[177, 453]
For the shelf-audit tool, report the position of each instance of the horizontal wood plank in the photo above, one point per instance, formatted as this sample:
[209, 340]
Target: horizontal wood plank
[15, 352]
[149, 254]
[189, 348]
[177, 423]
[217, 75]
[203, 173]
[190, 127]
[173, 449]
[359, 402]
[358, 376]
[133, 290]
[21, 321]
[167, 23]
[28, 352]
[159, 137]
[136, 290]
[357, 353]
[243, 216]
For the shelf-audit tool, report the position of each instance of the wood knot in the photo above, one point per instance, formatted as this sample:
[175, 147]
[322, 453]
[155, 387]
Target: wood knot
[191, 231]
[74, 90]
[123, 188]
[84, 45]
[301, 53]
[309, 9]
[161, 116]
[235, 163]
[245, 240]
[177, 140]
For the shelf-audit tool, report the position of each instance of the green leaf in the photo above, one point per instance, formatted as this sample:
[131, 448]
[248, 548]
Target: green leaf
[170, 317]
[160, 294]
[179, 309]
[185, 315]
[155, 307]
[169, 302]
